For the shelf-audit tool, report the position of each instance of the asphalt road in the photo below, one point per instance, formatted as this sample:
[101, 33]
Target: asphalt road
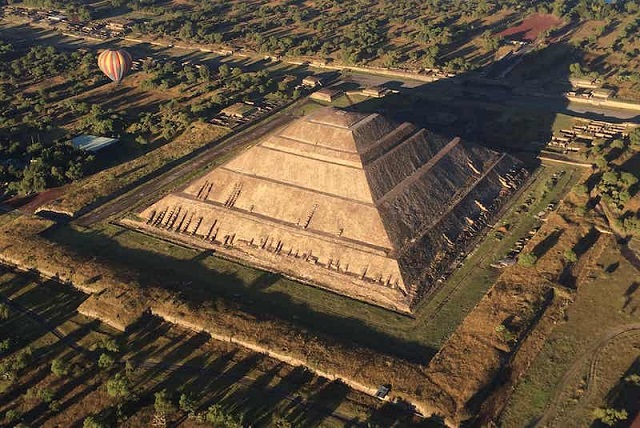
[186, 166]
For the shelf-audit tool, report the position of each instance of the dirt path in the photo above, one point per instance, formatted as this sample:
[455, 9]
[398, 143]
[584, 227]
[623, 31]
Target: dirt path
[591, 355]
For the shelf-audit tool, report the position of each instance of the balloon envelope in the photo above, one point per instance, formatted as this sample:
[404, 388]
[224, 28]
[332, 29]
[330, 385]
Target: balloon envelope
[115, 63]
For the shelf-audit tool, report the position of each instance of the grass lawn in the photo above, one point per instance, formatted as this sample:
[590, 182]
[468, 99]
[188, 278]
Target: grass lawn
[200, 275]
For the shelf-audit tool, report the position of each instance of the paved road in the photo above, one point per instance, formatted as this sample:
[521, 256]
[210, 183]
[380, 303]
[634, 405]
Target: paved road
[186, 166]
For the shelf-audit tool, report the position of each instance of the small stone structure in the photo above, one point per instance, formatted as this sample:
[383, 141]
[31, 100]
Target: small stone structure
[346, 201]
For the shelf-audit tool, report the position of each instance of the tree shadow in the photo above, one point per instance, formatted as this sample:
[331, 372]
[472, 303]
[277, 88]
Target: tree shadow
[586, 242]
[547, 243]
[331, 395]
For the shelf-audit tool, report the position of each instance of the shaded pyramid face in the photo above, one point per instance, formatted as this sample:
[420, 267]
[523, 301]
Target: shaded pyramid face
[346, 201]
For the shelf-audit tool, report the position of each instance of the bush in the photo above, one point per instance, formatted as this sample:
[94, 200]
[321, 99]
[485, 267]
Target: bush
[527, 259]
[47, 395]
[108, 345]
[580, 189]
[5, 345]
[12, 415]
[570, 256]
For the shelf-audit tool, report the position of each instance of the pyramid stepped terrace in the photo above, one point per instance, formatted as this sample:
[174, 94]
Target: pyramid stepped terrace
[346, 201]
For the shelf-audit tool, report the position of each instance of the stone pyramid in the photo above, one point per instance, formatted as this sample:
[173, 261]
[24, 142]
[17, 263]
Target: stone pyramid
[347, 201]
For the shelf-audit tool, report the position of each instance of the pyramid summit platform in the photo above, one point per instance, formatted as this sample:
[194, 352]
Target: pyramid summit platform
[346, 201]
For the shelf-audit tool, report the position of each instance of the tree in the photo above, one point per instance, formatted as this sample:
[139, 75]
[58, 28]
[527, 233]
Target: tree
[628, 179]
[617, 144]
[119, 386]
[5, 345]
[5, 312]
[576, 70]
[217, 416]
[187, 404]
[105, 361]
[92, 422]
[163, 404]
[108, 345]
[224, 70]
[527, 259]
[59, 368]
[610, 416]
[610, 177]
[634, 139]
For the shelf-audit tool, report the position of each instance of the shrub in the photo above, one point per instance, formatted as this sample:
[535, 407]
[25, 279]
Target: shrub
[12, 415]
[580, 189]
[570, 256]
[5, 345]
[108, 345]
[527, 259]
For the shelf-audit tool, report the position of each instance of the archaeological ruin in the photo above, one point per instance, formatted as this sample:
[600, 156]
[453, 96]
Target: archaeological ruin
[347, 201]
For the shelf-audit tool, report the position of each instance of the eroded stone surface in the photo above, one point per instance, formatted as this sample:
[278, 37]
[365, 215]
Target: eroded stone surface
[347, 201]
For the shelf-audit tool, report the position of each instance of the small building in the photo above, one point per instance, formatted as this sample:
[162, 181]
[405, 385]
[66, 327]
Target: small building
[326, 94]
[312, 81]
[383, 392]
[118, 25]
[239, 110]
[92, 143]
[375, 91]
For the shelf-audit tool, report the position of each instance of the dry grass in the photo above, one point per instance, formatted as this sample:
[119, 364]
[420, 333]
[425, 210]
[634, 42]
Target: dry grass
[92, 189]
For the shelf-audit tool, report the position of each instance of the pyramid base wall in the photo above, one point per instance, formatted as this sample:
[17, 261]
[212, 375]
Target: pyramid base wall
[296, 268]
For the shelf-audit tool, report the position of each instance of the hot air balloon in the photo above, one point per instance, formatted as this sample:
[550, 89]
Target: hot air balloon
[115, 63]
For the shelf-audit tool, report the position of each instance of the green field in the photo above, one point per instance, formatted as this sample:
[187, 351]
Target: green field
[201, 276]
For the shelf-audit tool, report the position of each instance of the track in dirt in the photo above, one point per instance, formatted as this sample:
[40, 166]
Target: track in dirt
[592, 354]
